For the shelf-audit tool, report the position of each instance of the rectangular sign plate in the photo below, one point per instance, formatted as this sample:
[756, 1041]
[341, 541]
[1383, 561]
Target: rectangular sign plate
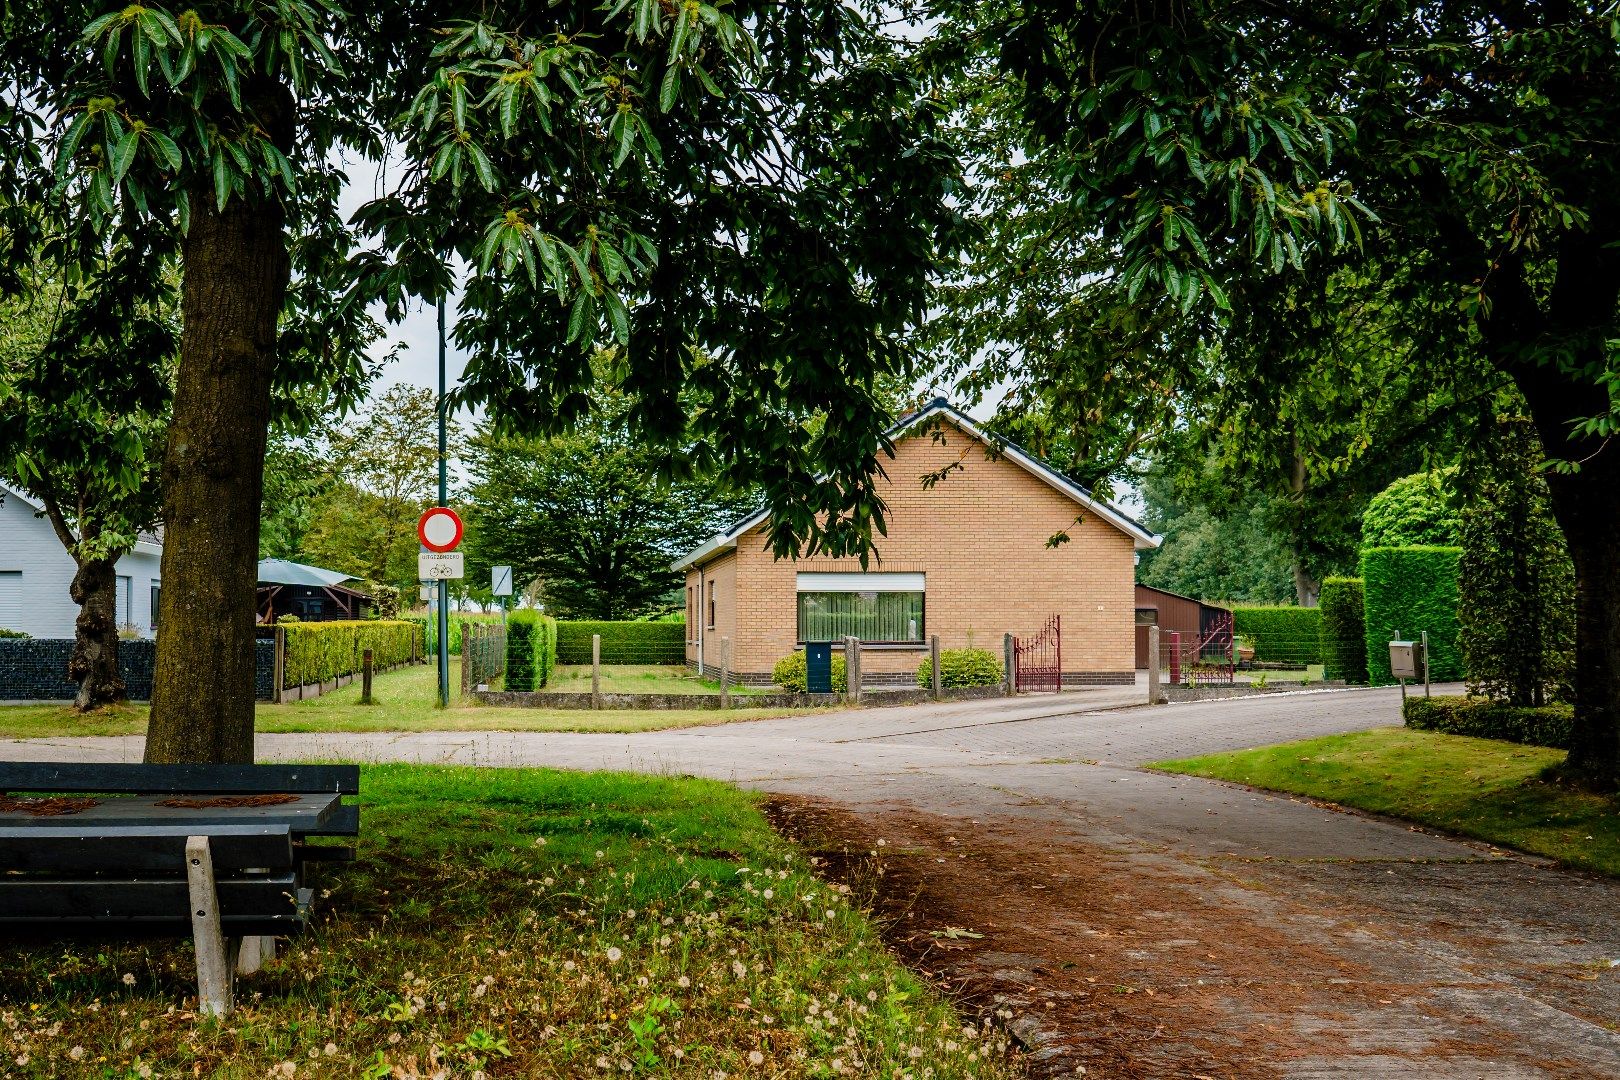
[501, 580]
[439, 565]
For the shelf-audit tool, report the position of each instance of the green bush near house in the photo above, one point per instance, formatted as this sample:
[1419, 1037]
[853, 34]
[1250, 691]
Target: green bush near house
[963, 667]
[1344, 630]
[319, 652]
[4, 633]
[1409, 590]
[1482, 718]
[791, 675]
[1281, 634]
[531, 649]
[623, 642]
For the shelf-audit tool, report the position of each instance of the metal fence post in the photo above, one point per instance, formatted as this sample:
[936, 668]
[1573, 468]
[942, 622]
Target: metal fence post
[278, 664]
[725, 673]
[470, 656]
[1009, 660]
[933, 657]
[1153, 664]
[1425, 663]
[596, 671]
[852, 671]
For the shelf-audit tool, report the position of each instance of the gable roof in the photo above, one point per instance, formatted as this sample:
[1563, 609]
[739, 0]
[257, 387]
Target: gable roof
[284, 572]
[145, 544]
[1011, 451]
[1183, 596]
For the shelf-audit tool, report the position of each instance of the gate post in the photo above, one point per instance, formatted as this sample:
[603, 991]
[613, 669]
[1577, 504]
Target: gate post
[1175, 658]
[1153, 664]
[933, 660]
[1009, 649]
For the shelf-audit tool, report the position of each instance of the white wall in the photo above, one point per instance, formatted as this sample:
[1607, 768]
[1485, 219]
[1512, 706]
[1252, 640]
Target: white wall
[35, 573]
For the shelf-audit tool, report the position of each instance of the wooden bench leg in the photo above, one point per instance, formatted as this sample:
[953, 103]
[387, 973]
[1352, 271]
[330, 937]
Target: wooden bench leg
[255, 951]
[214, 959]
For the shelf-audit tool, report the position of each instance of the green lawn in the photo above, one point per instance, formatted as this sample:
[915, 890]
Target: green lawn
[520, 923]
[1476, 787]
[405, 702]
[639, 679]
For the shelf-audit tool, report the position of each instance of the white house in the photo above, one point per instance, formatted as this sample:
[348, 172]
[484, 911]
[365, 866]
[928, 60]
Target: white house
[35, 573]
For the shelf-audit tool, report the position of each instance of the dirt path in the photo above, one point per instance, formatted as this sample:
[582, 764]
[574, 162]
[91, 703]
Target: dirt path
[1125, 961]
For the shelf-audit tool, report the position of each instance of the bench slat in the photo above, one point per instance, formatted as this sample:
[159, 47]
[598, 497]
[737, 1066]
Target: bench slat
[123, 848]
[119, 778]
[41, 901]
[341, 821]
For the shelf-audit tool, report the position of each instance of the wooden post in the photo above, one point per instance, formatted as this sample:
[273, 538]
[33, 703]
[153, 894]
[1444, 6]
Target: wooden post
[1425, 634]
[1153, 664]
[1009, 659]
[596, 671]
[466, 651]
[851, 670]
[278, 665]
[365, 678]
[725, 673]
[254, 953]
[933, 657]
[214, 972]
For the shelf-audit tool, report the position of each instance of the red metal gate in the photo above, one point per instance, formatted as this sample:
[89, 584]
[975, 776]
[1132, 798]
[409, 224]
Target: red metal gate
[1038, 660]
[1209, 659]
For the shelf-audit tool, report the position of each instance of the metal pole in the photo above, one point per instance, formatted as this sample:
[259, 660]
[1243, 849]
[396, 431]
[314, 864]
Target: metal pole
[444, 495]
[1425, 663]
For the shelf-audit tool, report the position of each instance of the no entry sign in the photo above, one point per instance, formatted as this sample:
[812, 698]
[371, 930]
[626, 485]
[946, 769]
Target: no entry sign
[439, 529]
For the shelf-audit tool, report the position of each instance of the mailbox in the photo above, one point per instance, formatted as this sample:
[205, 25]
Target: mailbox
[818, 667]
[1403, 659]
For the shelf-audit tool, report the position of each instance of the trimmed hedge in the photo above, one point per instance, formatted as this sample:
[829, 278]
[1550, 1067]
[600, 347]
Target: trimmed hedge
[1281, 634]
[430, 627]
[627, 642]
[1409, 590]
[319, 652]
[1482, 718]
[1344, 630]
[962, 667]
[531, 649]
[16, 634]
[791, 674]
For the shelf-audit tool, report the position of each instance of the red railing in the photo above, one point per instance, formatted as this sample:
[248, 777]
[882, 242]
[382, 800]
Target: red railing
[1038, 660]
[1210, 659]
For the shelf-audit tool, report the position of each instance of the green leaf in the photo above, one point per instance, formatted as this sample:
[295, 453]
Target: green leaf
[668, 88]
[124, 154]
[222, 180]
[618, 316]
[582, 315]
[182, 210]
[481, 166]
[166, 147]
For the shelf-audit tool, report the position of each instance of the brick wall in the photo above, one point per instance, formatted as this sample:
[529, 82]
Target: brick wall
[980, 537]
[35, 669]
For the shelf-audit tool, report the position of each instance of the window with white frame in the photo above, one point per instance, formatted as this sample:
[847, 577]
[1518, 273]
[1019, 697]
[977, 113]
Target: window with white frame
[879, 608]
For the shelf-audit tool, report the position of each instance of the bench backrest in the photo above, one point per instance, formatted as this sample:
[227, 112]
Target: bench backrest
[141, 848]
[122, 779]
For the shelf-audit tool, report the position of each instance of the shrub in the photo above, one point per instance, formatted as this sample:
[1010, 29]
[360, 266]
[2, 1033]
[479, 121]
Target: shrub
[1281, 635]
[531, 649]
[1482, 718]
[1418, 509]
[1344, 630]
[963, 667]
[791, 675]
[430, 627]
[1409, 590]
[1515, 583]
[625, 642]
[4, 633]
[321, 651]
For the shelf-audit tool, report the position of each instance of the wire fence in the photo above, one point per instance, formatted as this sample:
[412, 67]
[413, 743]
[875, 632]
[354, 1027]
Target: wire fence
[483, 654]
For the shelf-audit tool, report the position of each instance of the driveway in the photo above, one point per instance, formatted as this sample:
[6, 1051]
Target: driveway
[1130, 923]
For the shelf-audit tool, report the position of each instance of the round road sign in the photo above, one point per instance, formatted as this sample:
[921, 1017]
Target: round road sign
[439, 529]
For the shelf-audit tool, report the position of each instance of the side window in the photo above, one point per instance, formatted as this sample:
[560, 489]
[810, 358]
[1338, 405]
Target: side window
[711, 605]
[157, 588]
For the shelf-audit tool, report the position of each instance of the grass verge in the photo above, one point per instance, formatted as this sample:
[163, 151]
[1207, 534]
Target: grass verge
[640, 679]
[1481, 788]
[520, 923]
[404, 702]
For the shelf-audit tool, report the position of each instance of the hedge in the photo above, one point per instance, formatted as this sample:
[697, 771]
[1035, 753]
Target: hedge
[18, 634]
[1344, 630]
[1281, 635]
[1482, 718]
[627, 642]
[430, 627]
[1409, 590]
[319, 652]
[791, 674]
[962, 667]
[531, 649]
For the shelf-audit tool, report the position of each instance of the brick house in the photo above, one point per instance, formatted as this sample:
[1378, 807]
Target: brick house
[967, 560]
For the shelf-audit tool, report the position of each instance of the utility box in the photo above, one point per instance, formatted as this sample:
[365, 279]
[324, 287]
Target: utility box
[818, 667]
[1404, 659]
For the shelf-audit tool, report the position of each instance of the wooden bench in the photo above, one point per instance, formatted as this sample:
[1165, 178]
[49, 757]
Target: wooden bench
[134, 854]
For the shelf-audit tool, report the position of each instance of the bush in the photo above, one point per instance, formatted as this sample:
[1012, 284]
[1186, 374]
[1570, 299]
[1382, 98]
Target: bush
[319, 652]
[4, 633]
[1415, 510]
[1482, 718]
[1409, 590]
[531, 649]
[430, 628]
[791, 675]
[963, 667]
[1281, 635]
[626, 642]
[1344, 630]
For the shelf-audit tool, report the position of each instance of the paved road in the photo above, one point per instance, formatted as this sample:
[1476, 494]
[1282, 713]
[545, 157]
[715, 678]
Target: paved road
[1401, 953]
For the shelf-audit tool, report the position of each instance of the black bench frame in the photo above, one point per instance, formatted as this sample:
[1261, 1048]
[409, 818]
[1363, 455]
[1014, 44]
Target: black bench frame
[231, 885]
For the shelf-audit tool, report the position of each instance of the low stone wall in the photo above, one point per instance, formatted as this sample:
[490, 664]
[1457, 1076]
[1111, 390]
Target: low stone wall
[1214, 693]
[35, 669]
[542, 700]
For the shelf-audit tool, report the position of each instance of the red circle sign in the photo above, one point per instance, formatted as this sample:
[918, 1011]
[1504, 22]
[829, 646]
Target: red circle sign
[439, 529]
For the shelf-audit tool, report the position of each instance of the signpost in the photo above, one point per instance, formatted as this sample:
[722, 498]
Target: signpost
[439, 528]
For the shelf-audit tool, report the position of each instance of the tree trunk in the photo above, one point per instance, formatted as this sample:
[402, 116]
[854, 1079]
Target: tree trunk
[1307, 590]
[94, 663]
[236, 271]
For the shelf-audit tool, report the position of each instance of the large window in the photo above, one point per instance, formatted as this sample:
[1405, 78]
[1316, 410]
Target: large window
[877, 608]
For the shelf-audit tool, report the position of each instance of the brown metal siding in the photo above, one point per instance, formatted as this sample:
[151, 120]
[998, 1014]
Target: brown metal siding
[1175, 613]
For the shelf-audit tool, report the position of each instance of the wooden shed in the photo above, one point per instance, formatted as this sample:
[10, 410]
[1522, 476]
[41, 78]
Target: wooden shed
[1194, 619]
